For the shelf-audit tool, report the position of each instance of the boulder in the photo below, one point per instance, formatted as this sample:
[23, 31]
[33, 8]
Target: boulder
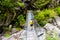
[41, 33]
[57, 21]
[18, 36]
[49, 26]
[51, 29]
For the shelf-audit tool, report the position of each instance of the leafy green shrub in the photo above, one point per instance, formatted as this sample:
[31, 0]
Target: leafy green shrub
[42, 22]
[21, 19]
[43, 16]
[57, 10]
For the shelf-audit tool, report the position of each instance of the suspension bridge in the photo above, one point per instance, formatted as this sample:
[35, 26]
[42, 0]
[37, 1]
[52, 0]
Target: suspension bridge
[30, 33]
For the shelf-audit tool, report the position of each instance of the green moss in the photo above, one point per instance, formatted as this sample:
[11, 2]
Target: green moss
[18, 29]
[48, 37]
[6, 34]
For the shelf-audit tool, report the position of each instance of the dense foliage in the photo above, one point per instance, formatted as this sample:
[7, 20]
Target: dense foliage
[8, 13]
[43, 16]
[8, 10]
